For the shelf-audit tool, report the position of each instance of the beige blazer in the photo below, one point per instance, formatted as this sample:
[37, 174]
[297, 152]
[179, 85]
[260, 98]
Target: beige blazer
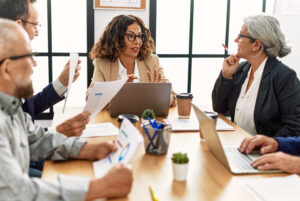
[105, 70]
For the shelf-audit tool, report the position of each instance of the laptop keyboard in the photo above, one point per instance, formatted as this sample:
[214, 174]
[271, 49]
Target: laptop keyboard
[238, 162]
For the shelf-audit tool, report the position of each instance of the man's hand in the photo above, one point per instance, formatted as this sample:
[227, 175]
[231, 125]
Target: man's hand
[278, 161]
[75, 125]
[264, 143]
[230, 66]
[156, 77]
[116, 183]
[64, 75]
[96, 151]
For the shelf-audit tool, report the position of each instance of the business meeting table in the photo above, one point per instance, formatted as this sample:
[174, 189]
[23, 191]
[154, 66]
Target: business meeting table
[207, 178]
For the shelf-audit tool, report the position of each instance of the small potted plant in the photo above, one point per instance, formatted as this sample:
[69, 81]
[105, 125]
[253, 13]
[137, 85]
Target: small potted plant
[148, 113]
[180, 166]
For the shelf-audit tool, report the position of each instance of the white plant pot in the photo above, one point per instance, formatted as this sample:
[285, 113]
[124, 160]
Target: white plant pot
[180, 171]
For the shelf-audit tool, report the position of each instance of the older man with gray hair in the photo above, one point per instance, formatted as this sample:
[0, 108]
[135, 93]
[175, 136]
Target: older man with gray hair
[21, 140]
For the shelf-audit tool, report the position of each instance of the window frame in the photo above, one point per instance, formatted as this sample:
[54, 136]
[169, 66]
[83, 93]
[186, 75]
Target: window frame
[50, 54]
[190, 55]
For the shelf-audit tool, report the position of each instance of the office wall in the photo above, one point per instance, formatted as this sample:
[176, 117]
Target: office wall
[104, 16]
[288, 13]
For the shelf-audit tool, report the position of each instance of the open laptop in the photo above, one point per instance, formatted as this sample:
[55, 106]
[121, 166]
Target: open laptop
[134, 98]
[230, 157]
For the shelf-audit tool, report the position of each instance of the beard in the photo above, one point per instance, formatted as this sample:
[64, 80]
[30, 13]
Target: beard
[24, 91]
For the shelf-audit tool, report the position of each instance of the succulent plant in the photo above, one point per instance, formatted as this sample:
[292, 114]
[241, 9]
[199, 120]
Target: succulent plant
[180, 158]
[148, 113]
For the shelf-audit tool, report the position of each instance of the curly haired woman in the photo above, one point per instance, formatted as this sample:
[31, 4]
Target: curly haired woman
[125, 50]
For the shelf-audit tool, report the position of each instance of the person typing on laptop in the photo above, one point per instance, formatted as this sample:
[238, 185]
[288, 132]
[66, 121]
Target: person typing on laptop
[125, 50]
[278, 153]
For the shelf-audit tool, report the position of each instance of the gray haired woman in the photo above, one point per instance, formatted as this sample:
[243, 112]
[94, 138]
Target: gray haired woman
[262, 95]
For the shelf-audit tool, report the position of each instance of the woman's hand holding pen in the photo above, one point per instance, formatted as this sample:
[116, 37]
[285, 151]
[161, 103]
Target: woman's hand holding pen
[230, 66]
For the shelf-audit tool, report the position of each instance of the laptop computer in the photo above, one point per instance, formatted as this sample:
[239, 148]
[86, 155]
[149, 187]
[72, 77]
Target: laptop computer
[134, 98]
[230, 157]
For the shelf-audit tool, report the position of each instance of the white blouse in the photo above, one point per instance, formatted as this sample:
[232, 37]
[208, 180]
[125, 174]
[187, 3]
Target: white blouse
[244, 109]
[123, 72]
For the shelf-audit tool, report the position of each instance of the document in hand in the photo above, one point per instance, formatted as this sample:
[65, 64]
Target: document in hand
[101, 94]
[128, 141]
[74, 57]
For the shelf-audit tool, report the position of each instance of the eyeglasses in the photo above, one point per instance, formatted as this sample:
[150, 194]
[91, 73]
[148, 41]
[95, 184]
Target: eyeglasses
[131, 37]
[31, 55]
[36, 24]
[244, 36]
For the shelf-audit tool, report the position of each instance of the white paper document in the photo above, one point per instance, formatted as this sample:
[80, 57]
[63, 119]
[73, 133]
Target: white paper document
[223, 126]
[121, 3]
[193, 125]
[101, 94]
[128, 141]
[275, 188]
[102, 129]
[74, 57]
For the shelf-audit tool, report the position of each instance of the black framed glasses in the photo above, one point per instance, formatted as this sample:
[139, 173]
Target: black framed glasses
[132, 37]
[36, 24]
[244, 36]
[31, 55]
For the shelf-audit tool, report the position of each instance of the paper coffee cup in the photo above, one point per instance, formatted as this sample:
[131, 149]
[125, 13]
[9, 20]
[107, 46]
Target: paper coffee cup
[184, 105]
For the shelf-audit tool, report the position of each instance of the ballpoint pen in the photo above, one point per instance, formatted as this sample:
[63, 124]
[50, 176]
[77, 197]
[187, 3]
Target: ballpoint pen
[225, 47]
[154, 198]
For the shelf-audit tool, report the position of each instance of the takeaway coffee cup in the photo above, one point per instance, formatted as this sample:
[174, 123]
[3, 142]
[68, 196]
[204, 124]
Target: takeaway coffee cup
[184, 105]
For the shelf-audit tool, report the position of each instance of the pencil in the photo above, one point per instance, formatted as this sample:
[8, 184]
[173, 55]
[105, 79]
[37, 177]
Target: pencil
[154, 198]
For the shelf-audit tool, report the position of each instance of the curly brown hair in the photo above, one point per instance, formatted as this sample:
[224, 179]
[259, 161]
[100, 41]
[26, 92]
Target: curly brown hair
[111, 42]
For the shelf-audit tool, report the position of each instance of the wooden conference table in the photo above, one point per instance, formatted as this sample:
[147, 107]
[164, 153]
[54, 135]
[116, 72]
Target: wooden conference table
[207, 178]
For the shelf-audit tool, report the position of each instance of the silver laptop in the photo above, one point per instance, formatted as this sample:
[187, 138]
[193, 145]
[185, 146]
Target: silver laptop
[134, 98]
[230, 157]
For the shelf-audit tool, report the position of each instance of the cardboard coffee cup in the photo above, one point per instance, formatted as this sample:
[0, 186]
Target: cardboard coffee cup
[184, 105]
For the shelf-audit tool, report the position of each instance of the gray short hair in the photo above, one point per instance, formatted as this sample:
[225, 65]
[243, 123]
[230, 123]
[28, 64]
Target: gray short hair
[266, 28]
[8, 37]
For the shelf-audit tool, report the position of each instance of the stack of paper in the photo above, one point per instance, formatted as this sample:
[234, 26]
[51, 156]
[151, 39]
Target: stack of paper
[102, 129]
[275, 189]
[127, 142]
[193, 125]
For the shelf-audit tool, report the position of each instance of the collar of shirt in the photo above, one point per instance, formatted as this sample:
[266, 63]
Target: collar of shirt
[122, 74]
[260, 70]
[9, 104]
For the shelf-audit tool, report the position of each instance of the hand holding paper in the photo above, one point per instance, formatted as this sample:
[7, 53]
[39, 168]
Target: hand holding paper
[74, 57]
[127, 143]
[101, 94]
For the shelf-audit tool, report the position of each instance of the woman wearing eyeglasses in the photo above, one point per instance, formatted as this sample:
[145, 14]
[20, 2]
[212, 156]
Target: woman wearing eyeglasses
[261, 94]
[125, 50]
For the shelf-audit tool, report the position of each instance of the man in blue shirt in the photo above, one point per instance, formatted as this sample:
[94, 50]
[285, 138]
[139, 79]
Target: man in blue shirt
[281, 153]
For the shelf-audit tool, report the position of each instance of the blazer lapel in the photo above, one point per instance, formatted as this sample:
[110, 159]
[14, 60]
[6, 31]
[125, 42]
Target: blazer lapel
[114, 71]
[143, 68]
[263, 89]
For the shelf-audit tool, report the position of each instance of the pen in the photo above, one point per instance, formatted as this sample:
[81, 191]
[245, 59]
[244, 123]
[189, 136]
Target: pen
[225, 47]
[154, 198]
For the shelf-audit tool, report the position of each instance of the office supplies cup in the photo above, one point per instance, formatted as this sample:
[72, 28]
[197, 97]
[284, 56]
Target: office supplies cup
[184, 105]
[156, 140]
